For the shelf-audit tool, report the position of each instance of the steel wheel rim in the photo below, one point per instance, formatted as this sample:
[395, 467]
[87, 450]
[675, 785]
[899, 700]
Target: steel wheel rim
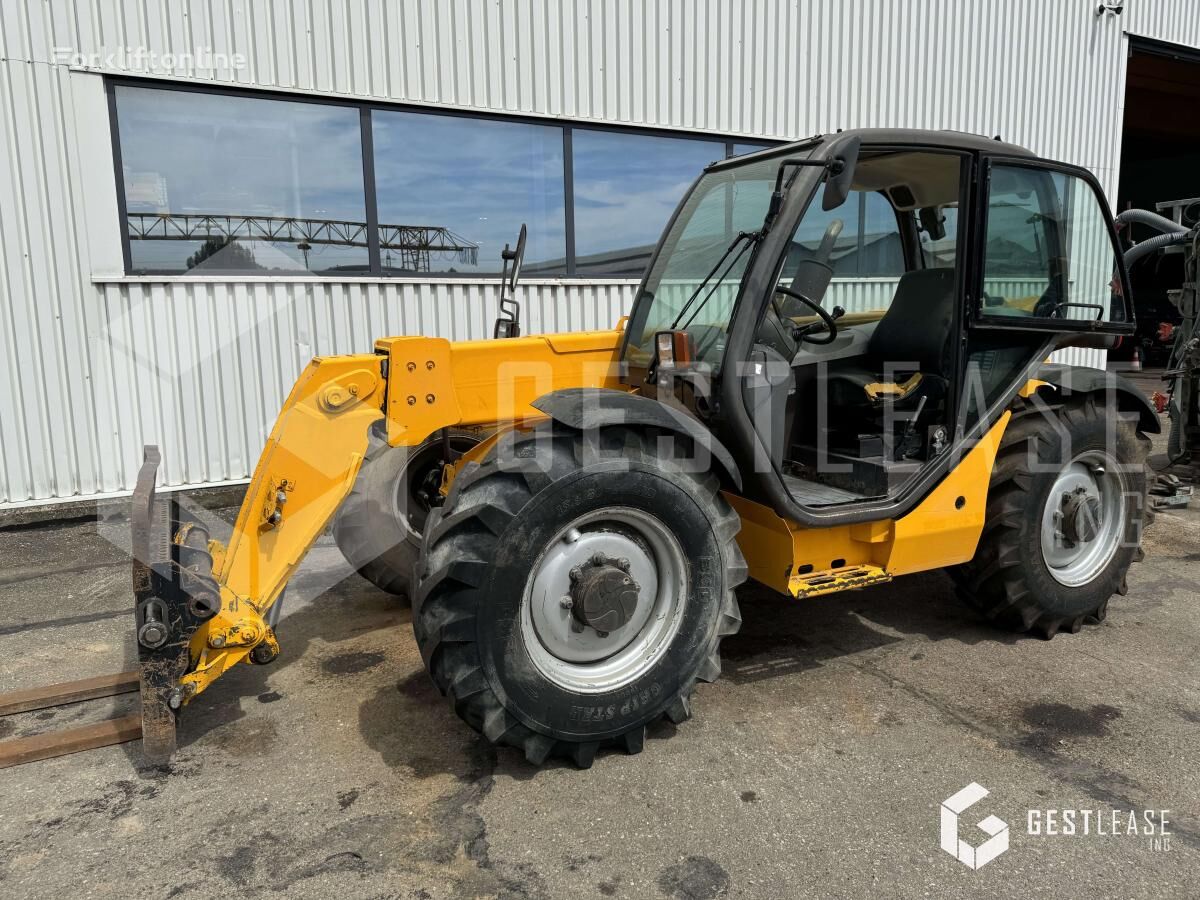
[1075, 562]
[588, 661]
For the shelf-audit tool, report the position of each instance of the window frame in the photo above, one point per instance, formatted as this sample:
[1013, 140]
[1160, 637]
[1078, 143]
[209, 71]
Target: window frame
[980, 319]
[365, 109]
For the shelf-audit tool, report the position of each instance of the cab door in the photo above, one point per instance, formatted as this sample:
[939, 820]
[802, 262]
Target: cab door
[1047, 269]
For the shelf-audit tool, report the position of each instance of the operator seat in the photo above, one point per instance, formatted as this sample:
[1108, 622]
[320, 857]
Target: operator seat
[914, 337]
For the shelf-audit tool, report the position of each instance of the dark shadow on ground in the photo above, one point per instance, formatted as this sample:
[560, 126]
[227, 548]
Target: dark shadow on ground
[781, 635]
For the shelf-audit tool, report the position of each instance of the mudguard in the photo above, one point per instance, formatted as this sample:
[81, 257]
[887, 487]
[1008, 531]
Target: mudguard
[589, 408]
[1069, 380]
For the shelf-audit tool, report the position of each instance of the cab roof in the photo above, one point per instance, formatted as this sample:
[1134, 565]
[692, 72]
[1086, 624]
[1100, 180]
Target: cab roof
[916, 137]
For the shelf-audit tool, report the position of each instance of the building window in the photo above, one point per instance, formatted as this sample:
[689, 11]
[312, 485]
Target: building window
[467, 185]
[626, 187]
[217, 183]
[220, 183]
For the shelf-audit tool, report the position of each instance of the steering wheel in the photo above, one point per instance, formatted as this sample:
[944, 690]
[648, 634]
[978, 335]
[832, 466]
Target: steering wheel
[830, 323]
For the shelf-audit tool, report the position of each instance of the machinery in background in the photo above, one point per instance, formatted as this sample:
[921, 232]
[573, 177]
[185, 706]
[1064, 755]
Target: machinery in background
[1179, 236]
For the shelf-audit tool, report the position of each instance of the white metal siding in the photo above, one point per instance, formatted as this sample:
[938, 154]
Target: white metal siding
[93, 368]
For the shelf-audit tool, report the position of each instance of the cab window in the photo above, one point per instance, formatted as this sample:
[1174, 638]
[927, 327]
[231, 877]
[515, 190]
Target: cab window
[899, 217]
[1048, 253]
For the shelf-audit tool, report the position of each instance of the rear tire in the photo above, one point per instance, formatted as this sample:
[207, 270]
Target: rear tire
[378, 526]
[489, 612]
[1037, 568]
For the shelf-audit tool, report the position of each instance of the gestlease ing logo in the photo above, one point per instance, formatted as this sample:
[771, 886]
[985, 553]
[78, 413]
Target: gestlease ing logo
[997, 828]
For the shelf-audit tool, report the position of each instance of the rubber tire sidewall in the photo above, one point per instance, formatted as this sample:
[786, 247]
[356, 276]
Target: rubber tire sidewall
[1091, 433]
[391, 548]
[518, 684]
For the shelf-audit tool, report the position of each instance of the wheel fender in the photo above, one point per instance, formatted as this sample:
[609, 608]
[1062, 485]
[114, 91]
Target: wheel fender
[1069, 380]
[585, 409]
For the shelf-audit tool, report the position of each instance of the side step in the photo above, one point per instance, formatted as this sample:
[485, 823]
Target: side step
[830, 581]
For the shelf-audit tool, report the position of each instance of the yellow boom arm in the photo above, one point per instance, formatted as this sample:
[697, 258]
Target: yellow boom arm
[320, 438]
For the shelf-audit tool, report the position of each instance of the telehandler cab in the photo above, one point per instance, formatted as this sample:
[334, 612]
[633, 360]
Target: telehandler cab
[834, 373]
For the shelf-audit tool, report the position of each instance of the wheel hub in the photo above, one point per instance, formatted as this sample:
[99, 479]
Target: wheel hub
[604, 598]
[1081, 516]
[603, 595]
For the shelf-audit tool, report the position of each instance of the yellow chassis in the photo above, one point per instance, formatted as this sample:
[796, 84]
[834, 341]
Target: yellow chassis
[421, 385]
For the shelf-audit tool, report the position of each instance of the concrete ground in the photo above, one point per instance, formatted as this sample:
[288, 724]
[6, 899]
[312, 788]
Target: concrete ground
[815, 766]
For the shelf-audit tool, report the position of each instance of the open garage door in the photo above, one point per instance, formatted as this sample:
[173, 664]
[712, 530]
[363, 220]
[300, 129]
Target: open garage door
[1160, 163]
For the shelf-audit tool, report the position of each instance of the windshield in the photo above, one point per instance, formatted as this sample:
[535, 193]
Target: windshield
[722, 205]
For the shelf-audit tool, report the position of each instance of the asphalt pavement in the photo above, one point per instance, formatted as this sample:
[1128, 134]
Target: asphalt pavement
[816, 766]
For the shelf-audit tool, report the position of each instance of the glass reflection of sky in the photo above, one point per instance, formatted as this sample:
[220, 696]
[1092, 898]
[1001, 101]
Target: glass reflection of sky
[627, 186]
[480, 178]
[192, 152]
[189, 152]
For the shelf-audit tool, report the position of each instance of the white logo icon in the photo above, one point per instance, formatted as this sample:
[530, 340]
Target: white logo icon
[974, 857]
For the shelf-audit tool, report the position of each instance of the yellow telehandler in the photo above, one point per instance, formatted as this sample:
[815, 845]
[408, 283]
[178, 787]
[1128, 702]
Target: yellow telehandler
[834, 373]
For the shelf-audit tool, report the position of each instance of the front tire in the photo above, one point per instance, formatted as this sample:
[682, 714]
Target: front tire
[643, 549]
[1065, 512]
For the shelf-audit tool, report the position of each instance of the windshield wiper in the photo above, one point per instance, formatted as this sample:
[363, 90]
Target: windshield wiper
[744, 238]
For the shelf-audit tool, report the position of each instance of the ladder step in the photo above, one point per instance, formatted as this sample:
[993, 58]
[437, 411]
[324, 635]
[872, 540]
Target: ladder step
[830, 581]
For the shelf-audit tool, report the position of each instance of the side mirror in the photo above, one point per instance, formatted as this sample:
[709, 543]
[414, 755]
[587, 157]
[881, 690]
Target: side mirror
[673, 350]
[517, 257]
[933, 223]
[508, 323]
[841, 175]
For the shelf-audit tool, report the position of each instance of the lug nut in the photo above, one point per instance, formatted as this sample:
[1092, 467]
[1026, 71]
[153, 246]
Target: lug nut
[576, 573]
[566, 602]
[598, 559]
[602, 634]
[623, 564]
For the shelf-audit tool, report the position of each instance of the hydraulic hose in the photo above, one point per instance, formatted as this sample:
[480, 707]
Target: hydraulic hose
[1154, 244]
[1154, 220]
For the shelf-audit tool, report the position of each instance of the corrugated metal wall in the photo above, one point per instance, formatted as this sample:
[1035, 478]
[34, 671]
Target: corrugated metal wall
[95, 366]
